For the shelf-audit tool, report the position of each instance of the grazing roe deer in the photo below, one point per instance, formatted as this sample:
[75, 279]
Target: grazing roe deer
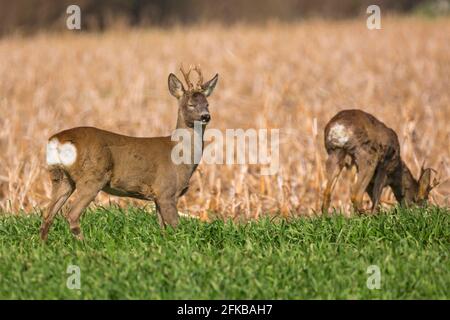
[375, 151]
[85, 160]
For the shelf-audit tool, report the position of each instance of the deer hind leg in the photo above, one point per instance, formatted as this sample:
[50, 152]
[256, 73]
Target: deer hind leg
[334, 165]
[366, 169]
[83, 196]
[167, 212]
[62, 188]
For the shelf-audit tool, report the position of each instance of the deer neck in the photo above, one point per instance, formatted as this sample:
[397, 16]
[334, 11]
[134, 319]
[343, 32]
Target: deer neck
[403, 184]
[181, 124]
[195, 139]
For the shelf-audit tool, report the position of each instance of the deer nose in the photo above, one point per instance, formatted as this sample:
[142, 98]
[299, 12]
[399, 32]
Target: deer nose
[205, 117]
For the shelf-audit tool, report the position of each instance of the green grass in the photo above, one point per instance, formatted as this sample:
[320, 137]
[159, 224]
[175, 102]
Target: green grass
[125, 256]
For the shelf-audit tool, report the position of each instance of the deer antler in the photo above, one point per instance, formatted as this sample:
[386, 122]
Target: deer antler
[186, 77]
[422, 168]
[200, 76]
[436, 180]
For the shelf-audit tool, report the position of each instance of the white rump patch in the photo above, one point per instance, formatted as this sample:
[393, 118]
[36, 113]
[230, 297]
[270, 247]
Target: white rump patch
[61, 153]
[338, 135]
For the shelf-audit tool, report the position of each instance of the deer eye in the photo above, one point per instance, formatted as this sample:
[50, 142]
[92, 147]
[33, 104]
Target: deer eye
[191, 106]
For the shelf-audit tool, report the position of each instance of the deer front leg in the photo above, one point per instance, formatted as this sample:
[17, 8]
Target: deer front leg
[158, 213]
[334, 166]
[366, 171]
[167, 212]
[369, 190]
[379, 182]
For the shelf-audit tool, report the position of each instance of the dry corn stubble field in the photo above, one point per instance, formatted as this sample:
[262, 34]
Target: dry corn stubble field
[288, 76]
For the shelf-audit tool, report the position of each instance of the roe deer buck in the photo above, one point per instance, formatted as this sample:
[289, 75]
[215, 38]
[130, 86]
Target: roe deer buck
[375, 151]
[87, 160]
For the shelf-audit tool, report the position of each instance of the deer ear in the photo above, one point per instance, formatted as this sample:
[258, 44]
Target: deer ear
[425, 183]
[209, 86]
[175, 86]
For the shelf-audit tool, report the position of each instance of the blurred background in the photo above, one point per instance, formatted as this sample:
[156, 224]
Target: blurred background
[289, 65]
[28, 16]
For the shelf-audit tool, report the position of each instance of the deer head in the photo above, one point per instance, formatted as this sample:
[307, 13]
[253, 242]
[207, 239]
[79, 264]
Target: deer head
[193, 103]
[425, 185]
[409, 190]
